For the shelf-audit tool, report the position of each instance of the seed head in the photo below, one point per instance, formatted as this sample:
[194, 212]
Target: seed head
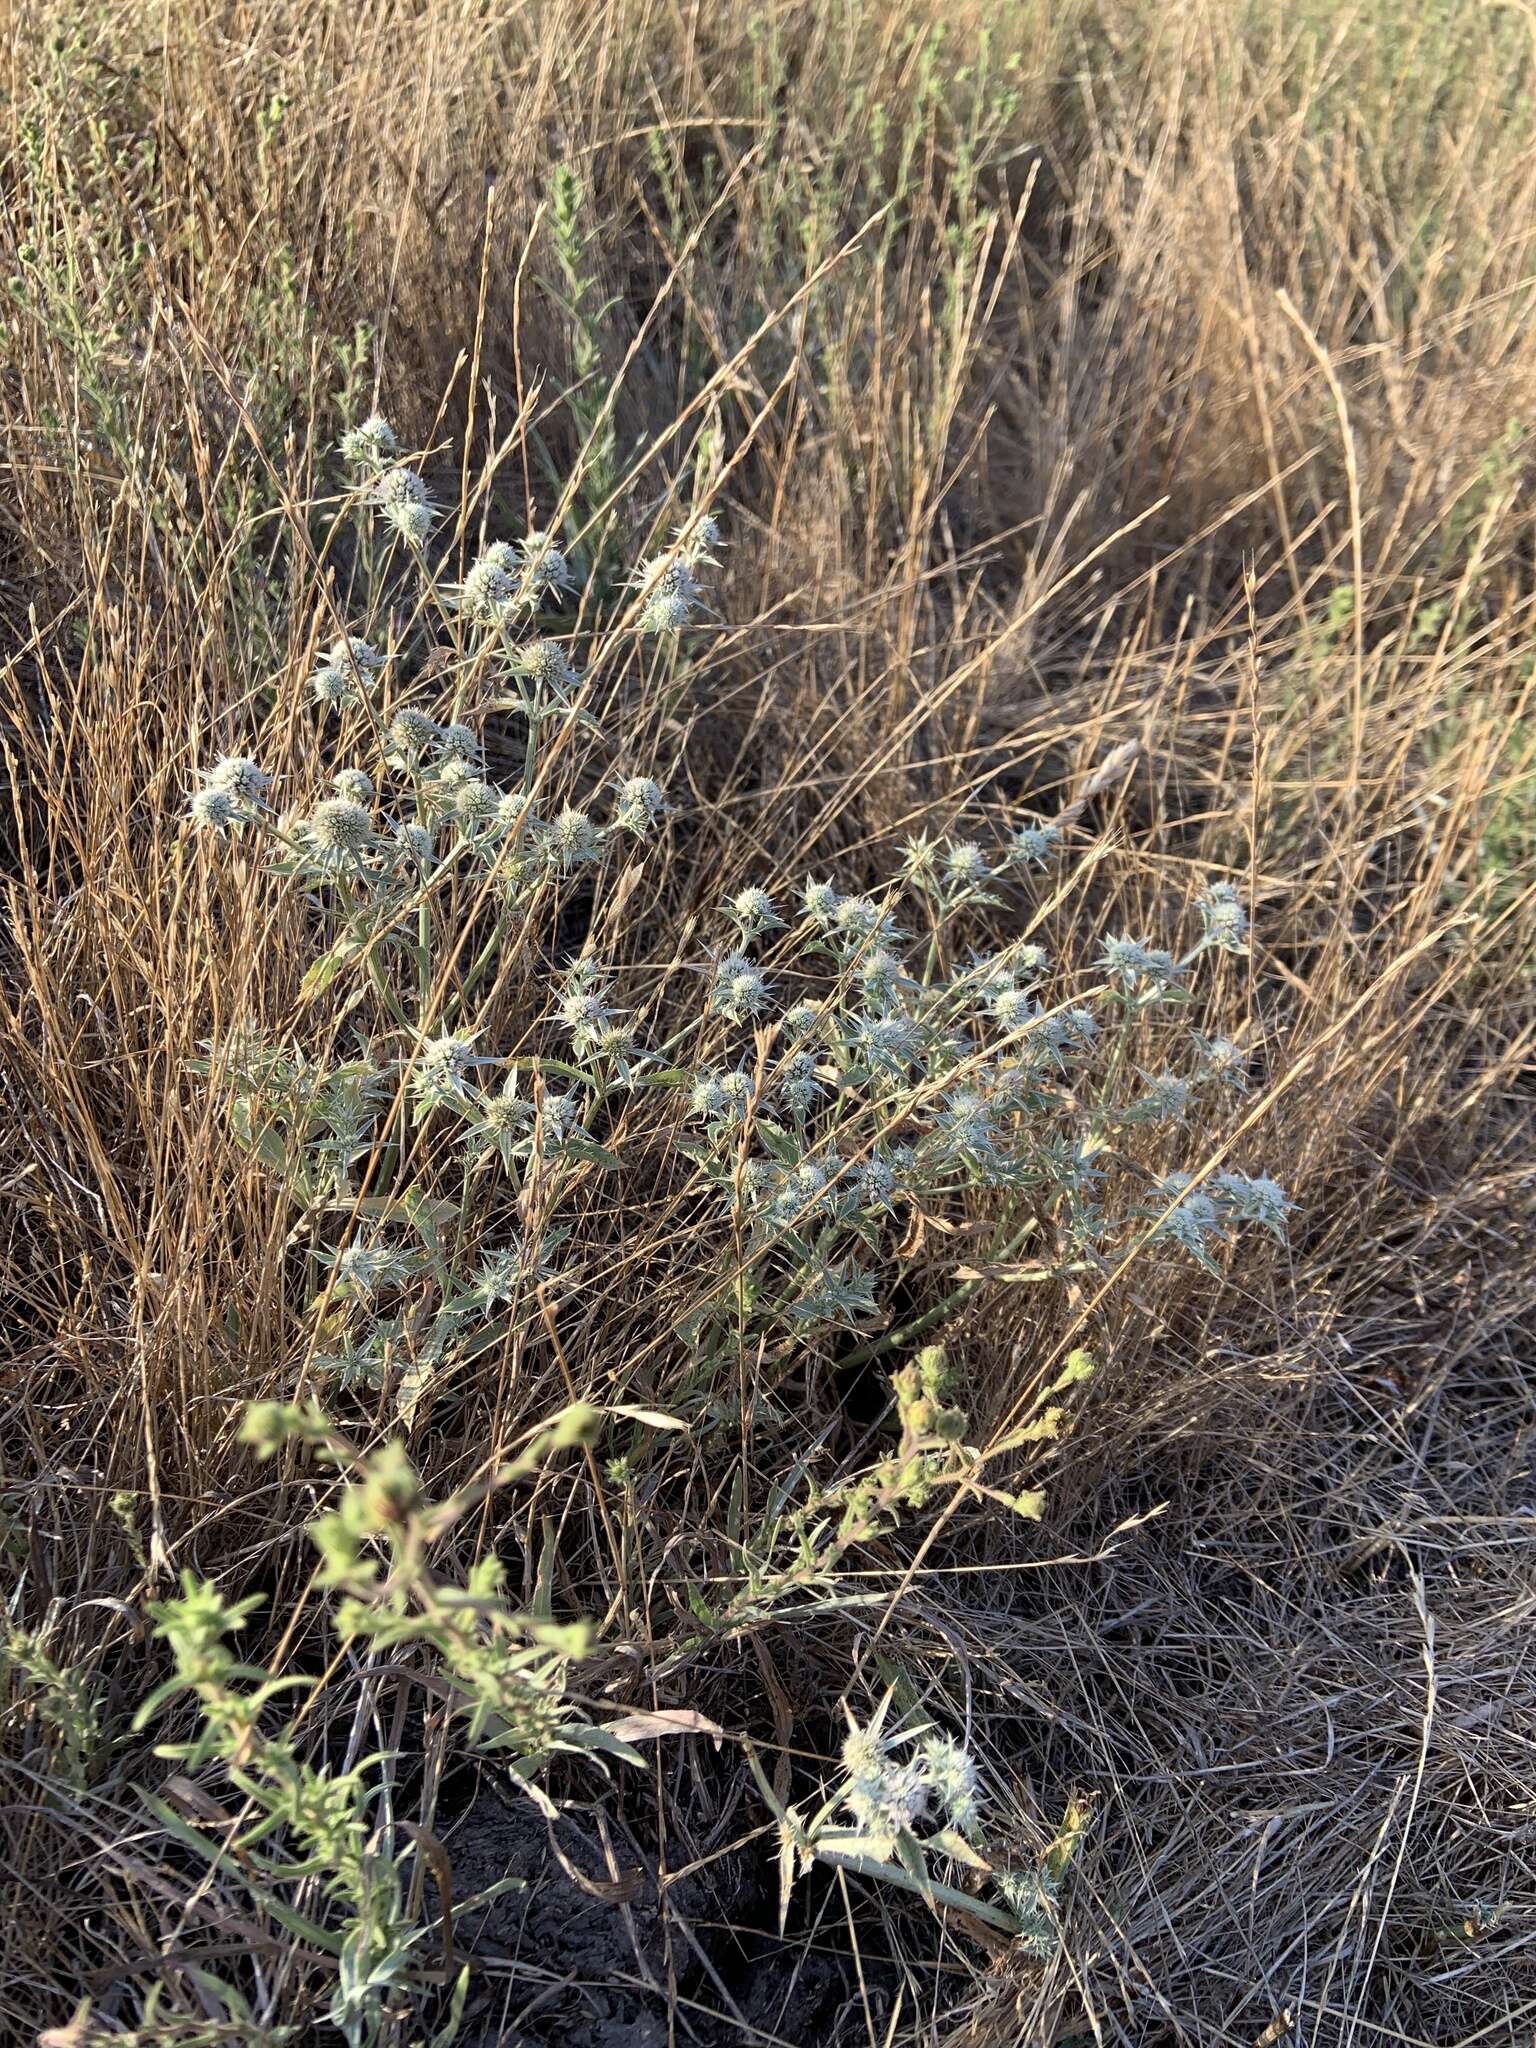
[238, 777]
[213, 810]
[409, 735]
[672, 593]
[353, 784]
[641, 805]
[754, 911]
[405, 504]
[337, 830]
[489, 594]
[371, 445]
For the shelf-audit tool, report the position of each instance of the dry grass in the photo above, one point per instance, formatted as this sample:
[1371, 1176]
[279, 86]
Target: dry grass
[1159, 376]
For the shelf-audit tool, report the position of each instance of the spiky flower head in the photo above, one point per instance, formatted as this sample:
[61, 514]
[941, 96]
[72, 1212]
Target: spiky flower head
[507, 1111]
[696, 539]
[860, 917]
[1034, 844]
[887, 1044]
[584, 1011]
[460, 743]
[1193, 1222]
[370, 445]
[415, 839]
[753, 911]
[489, 594]
[874, 1184]
[967, 1125]
[444, 1065]
[706, 1097]
[722, 1097]
[803, 1020]
[1164, 1100]
[1224, 917]
[409, 735]
[345, 670]
[337, 831]
[671, 593]
[881, 974]
[965, 865]
[1011, 1008]
[353, 784]
[821, 901]
[502, 1270]
[920, 859]
[798, 1085]
[1221, 1060]
[477, 805]
[544, 664]
[952, 1780]
[545, 571]
[558, 1115]
[571, 840]
[641, 805]
[367, 1269]
[1136, 960]
[405, 504]
[239, 777]
[740, 990]
[213, 810]
[1253, 1199]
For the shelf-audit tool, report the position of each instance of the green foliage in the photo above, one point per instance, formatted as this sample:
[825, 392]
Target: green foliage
[313, 1846]
[62, 1701]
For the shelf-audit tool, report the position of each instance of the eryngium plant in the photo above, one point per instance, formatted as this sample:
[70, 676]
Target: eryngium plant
[832, 1065]
[843, 1057]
